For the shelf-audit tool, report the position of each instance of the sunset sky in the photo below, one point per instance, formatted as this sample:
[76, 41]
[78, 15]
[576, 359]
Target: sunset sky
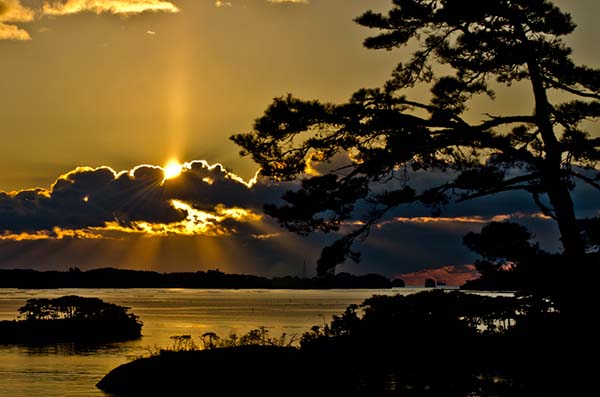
[98, 96]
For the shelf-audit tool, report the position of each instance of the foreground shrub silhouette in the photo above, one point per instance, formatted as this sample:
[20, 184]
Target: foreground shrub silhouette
[435, 343]
[71, 319]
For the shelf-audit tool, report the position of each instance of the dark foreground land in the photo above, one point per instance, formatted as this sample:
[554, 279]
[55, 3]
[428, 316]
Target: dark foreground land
[70, 319]
[429, 344]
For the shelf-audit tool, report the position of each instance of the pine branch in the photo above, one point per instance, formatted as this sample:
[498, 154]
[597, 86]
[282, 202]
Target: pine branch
[589, 180]
[490, 192]
[574, 91]
[505, 186]
[497, 121]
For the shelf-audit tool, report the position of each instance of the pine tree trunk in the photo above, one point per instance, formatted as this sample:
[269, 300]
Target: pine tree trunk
[560, 198]
[552, 176]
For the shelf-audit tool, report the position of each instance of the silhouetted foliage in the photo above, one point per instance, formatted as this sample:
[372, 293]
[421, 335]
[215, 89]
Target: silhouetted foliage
[398, 283]
[430, 283]
[435, 343]
[70, 319]
[591, 233]
[210, 340]
[183, 343]
[429, 312]
[508, 256]
[502, 240]
[510, 261]
[543, 152]
[444, 343]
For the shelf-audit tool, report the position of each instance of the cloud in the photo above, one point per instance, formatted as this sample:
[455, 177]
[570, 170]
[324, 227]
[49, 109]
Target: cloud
[208, 216]
[151, 32]
[265, 236]
[220, 3]
[476, 219]
[66, 7]
[204, 200]
[12, 32]
[13, 11]
[54, 234]
[451, 274]
[196, 222]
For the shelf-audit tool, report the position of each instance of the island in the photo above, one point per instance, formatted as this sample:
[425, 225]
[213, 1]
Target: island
[70, 318]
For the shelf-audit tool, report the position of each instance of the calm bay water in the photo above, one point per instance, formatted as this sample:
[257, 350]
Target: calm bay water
[70, 370]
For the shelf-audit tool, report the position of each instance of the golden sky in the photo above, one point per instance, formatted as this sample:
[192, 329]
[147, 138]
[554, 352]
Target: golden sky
[128, 82]
[119, 83]
[102, 83]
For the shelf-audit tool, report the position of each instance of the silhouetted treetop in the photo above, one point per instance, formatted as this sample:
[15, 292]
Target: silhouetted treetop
[73, 307]
[502, 240]
[478, 38]
[464, 49]
[511, 261]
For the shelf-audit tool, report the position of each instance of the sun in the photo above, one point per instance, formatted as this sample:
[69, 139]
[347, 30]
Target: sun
[172, 169]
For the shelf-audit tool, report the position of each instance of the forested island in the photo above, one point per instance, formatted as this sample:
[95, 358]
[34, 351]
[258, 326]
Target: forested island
[121, 278]
[70, 319]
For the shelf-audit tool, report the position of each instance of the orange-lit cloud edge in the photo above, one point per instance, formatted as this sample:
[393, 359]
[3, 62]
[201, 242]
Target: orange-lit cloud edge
[13, 11]
[454, 275]
[441, 220]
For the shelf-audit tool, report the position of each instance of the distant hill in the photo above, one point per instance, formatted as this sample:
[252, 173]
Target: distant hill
[121, 278]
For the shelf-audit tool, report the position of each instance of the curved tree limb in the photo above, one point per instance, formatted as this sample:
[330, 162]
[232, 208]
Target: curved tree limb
[574, 91]
[589, 180]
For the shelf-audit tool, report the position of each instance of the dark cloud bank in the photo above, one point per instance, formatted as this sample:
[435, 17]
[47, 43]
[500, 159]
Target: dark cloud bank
[95, 217]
